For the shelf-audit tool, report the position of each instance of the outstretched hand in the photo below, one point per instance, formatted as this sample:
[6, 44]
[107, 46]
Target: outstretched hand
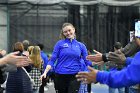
[117, 57]
[43, 76]
[96, 58]
[19, 61]
[87, 77]
[48, 67]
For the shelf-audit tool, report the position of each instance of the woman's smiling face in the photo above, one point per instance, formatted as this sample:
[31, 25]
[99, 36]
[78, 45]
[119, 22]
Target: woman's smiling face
[69, 32]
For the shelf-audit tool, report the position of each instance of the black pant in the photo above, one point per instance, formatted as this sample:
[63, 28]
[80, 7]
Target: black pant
[44, 81]
[1, 89]
[66, 83]
[89, 88]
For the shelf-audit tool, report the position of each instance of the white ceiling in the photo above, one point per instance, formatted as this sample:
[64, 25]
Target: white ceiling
[80, 2]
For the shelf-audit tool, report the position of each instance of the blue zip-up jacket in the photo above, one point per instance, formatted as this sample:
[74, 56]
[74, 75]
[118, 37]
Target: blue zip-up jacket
[45, 60]
[68, 54]
[84, 66]
[126, 77]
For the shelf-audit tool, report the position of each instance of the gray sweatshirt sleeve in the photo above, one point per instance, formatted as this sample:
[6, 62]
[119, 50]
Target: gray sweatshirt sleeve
[9, 68]
[130, 49]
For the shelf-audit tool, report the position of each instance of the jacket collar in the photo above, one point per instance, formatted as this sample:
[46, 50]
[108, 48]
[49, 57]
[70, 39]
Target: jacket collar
[68, 40]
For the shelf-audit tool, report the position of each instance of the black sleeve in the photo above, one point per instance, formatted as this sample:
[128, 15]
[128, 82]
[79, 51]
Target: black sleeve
[1, 55]
[105, 57]
[28, 68]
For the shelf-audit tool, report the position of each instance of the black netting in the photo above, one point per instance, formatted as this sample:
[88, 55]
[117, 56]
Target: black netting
[97, 26]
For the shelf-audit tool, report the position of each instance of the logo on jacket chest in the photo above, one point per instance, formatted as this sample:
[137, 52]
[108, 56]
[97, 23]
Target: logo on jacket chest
[65, 45]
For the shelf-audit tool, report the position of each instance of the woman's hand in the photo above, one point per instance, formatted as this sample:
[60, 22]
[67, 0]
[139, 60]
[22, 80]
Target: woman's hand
[43, 76]
[87, 77]
[48, 67]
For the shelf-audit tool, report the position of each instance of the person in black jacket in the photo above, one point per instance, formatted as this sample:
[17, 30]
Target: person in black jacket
[19, 82]
[2, 72]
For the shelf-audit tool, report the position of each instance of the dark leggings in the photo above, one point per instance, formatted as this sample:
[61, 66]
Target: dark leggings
[44, 82]
[89, 88]
[66, 83]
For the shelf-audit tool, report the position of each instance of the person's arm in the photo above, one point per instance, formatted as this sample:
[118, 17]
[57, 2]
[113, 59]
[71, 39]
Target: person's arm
[9, 68]
[55, 55]
[48, 67]
[117, 58]
[52, 60]
[45, 59]
[130, 49]
[97, 57]
[11, 58]
[126, 77]
[84, 54]
[3, 61]
[128, 61]
[2, 53]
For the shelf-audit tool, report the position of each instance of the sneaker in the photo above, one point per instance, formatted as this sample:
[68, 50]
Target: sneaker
[46, 89]
[50, 83]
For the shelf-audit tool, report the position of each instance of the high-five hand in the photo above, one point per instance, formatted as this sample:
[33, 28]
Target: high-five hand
[87, 77]
[96, 58]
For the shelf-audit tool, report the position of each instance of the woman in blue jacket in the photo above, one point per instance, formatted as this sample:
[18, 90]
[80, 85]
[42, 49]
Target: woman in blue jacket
[125, 77]
[67, 52]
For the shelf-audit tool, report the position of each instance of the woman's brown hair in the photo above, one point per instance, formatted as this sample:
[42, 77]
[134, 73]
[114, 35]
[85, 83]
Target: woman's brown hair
[18, 46]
